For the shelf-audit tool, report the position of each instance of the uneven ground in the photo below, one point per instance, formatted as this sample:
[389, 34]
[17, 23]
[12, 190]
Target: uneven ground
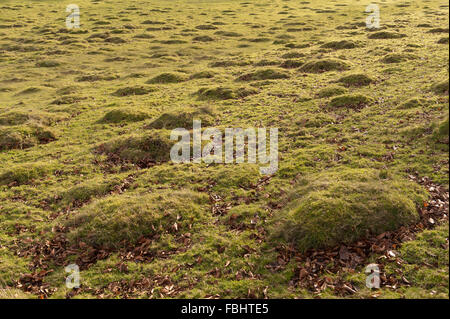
[85, 176]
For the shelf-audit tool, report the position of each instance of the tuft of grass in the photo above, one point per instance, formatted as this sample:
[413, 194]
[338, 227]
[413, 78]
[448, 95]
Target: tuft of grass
[346, 205]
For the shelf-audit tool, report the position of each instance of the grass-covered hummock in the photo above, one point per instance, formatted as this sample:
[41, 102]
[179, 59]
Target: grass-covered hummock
[344, 205]
[120, 220]
[153, 147]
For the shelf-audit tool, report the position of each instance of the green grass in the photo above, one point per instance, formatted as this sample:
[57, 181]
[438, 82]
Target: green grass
[85, 120]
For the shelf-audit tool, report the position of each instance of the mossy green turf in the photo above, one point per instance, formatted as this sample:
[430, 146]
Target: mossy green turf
[81, 111]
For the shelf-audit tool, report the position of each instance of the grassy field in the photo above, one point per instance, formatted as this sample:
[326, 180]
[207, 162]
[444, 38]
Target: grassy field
[86, 178]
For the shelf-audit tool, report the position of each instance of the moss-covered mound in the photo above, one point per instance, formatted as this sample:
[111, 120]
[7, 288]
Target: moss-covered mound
[23, 136]
[440, 88]
[386, 35]
[136, 90]
[291, 64]
[142, 150]
[268, 74]
[119, 220]
[24, 173]
[203, 75]
[224, 93]
[397, 58]
[346, 205]
[331, 91]
[351, 101]
[412, 103]
[123, 115]
[339, 45]
[355, 80]
[167, 78]
[326, 65]
[441, 132]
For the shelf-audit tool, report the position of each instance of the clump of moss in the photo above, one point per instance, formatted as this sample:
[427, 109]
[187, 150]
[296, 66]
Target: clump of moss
[119, 220]
[228, 34]
[142, 150]
[24, 173]
[397, 58]
[339, 45]
[167, 78]
[203, 38]
[331, 91]
[444, 40]
[268, 74]
[170, 121]
[356, 101]
[47, 64]
[291, 64]
[135, 90]
[23, 136]
[222, 93]
[82, 193]
[412, 103]
[386, 35]
[14, 118]
[440, 88]
[355, 80]
[203, 75]
[342, 206]
[123, 115]
[325, 65]
[293, 55]
[441, 133]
